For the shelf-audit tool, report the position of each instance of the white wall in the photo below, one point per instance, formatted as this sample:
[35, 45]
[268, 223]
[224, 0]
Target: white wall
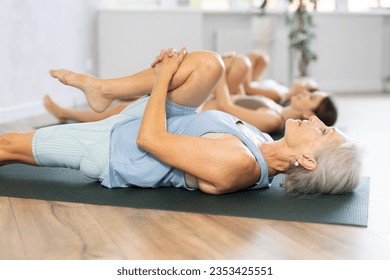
[37, 36]
[351, 50]
[386, 56]
[224, 32]
[130, 39]
[351, 46]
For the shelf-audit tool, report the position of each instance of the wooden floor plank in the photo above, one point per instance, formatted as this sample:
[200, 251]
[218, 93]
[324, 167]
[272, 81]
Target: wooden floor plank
[10, 242]
[151, 234]
[59, 230]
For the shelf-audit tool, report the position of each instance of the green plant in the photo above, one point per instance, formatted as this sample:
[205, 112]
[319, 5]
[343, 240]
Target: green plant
[301, 32]
[301, 36]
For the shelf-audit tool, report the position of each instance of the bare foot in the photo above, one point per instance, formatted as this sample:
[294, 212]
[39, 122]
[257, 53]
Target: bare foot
[54, 109]
[91, 87]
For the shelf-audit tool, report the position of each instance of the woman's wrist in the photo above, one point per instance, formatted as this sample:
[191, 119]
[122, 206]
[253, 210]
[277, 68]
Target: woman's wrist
[162, 80]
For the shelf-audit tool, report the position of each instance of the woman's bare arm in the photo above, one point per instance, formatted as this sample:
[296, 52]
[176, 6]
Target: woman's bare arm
[269, 93]
[264, 119]
[205, 159]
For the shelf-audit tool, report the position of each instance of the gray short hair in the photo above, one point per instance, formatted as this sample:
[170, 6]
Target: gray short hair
[338, 171]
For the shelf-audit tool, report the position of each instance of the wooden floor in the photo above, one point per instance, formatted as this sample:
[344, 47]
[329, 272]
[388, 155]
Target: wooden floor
[34, 229]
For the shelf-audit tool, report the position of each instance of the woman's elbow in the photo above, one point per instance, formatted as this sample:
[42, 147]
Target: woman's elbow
[150, 141]
[143, 140]
[218, 189]
[213, 190]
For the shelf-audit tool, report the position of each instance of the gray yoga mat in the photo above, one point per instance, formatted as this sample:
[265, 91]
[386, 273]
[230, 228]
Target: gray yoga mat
[60, 184]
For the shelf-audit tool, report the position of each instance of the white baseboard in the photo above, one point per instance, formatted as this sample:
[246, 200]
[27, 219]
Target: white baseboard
[24, 111]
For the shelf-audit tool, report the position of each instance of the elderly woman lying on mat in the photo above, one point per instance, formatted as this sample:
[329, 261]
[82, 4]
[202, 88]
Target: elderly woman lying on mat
[171, 146]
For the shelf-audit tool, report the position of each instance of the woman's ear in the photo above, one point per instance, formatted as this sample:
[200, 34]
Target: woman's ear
[307, 161]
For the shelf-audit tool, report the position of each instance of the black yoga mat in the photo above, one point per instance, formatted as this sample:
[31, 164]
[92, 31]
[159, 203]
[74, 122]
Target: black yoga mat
[60, 184]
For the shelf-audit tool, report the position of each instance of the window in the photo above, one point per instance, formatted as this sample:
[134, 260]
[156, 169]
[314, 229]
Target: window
[203, 4]
[351, 5]
[384, 3]
[361, 5]
[326, 5]
[273, 5]
[130, 3]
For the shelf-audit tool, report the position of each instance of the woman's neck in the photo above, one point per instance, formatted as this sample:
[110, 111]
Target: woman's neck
[277, 158]
[290, 113]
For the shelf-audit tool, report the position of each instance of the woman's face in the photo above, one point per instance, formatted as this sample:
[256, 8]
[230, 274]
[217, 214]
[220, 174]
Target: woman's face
[306, 101]
[309, 135]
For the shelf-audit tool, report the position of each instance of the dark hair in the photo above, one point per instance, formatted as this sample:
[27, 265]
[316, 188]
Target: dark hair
[326, 111]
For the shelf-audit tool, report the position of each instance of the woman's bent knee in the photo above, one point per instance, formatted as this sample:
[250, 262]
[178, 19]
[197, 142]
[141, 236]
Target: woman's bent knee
[200, 73]
[214, 60]
[209, 61]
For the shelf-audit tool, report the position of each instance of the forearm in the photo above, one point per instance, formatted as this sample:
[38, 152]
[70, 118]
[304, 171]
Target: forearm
[270, 93]
[153, 130]
[225, 102]
[235, 110]
[153, 124]
[222, 94]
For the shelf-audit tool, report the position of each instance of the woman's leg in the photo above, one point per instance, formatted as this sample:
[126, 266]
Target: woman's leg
[259, 61]
[16, 147]
[236, 71]
[82, 115]
[190, 86]
[79, 146]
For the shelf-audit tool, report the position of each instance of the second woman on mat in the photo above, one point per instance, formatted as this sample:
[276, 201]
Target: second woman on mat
[263, 112]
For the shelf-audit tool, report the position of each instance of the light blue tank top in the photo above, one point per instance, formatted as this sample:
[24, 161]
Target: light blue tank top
[132, 166]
